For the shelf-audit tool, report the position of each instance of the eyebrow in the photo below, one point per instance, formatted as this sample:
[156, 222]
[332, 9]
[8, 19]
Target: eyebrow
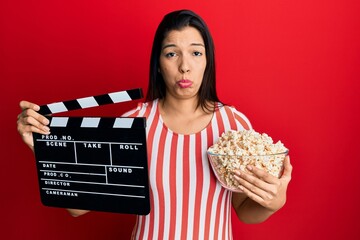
[174, 45]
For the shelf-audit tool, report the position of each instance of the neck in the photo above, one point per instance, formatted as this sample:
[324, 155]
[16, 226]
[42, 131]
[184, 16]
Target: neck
[180, 106]
[183, 116]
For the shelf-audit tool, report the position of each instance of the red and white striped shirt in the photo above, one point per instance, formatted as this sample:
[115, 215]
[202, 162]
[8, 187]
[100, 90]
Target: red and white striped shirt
[186, 200]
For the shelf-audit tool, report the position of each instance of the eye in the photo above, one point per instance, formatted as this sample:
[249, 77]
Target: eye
[170, 54]
[198, 54]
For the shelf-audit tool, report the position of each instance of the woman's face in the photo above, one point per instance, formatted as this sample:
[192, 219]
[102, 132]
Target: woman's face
[183, 62]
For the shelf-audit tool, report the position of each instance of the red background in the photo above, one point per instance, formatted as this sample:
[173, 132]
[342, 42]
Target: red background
[291, 66]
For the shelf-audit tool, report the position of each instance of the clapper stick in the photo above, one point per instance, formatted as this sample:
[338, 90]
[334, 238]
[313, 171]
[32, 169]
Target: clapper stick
[94, 163]
[92, 101]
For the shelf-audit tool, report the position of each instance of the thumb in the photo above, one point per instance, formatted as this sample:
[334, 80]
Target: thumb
[287, 168]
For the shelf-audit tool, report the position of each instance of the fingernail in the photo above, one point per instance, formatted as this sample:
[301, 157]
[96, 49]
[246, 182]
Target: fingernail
[46, 129]
[46, 121]
[249, 167]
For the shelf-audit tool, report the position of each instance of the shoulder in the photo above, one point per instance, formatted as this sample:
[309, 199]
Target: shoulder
[142, 109]
[233, 114]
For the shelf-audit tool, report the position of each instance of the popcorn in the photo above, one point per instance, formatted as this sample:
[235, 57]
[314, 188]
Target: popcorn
[237, 149]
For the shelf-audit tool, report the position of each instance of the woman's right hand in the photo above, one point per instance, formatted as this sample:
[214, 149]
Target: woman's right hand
[30, 121]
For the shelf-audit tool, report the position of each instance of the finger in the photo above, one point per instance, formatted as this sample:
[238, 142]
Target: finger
[253, 196]
[253, 184]
[263, 175]
[37, 124]
[24, 123]
[30, 113]
[251, 191]
[287, 169]
[27, 130]
[26, 104]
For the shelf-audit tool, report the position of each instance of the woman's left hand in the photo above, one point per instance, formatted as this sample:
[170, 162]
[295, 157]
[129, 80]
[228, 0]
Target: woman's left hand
[263, 188]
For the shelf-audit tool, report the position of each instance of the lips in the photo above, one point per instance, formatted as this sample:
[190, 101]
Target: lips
[184, 83]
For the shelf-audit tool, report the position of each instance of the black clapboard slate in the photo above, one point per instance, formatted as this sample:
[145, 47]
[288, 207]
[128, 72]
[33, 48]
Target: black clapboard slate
[94, 163]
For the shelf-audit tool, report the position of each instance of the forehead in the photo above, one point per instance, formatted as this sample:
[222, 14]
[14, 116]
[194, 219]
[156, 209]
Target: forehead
[186, 35]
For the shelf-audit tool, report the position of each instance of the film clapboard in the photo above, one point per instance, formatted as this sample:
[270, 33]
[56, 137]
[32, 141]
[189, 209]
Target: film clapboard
[93, 163]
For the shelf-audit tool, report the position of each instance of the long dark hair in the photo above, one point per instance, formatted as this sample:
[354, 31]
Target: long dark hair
[177, 20]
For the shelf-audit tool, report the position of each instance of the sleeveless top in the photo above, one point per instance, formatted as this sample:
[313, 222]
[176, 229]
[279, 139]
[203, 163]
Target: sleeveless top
[186, 200]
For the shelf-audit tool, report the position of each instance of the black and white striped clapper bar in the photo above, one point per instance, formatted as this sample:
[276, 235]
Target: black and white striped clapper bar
[94, 163]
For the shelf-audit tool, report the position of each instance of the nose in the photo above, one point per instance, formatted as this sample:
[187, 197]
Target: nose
[184, 66]
[184, 70]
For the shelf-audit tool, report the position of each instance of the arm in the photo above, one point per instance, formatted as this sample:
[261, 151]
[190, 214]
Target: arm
[77, 212]
[262, 194]
[30, 121]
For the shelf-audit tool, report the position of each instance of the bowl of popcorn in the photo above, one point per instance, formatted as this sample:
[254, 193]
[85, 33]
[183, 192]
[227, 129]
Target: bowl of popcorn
[237, 149]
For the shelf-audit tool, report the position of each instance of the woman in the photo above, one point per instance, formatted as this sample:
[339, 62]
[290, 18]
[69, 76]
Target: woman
[185, 117]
